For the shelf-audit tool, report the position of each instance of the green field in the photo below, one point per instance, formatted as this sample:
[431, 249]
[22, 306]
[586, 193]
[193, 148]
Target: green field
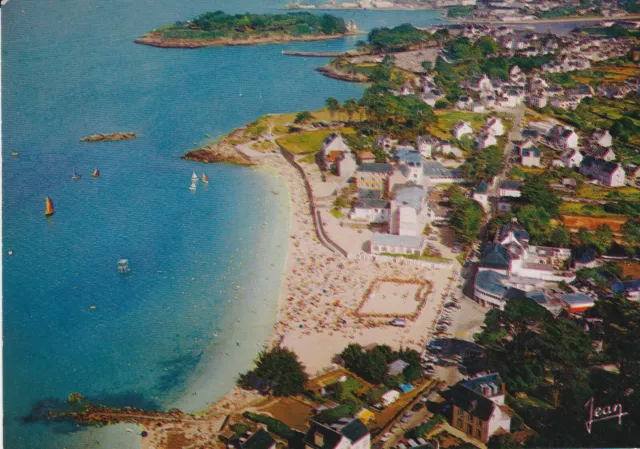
[448, 118]
[305, 142]
[590, 191]
[587, 210]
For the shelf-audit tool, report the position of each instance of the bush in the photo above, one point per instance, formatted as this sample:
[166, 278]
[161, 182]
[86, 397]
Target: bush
[273, 425]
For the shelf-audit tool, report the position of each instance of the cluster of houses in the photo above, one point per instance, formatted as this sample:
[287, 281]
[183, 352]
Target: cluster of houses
[393, 194]
[512, 268]
[477, 405]
[492, 128]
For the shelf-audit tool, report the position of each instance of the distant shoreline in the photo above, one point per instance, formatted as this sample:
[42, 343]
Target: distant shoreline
[155, 39]
[553, 20]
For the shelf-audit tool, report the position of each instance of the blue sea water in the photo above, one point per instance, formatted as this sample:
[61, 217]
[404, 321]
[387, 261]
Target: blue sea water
[206, 265]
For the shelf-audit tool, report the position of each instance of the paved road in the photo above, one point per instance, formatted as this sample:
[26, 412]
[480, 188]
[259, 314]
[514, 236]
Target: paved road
[515, 133]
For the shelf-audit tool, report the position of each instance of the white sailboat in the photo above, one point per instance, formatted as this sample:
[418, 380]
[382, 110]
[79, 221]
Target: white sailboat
[193, 185]
[194, 177]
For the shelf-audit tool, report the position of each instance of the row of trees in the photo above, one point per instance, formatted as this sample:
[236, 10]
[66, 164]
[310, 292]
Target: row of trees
[466, 215]
[371, 364]
[401, 38]
[292, 23]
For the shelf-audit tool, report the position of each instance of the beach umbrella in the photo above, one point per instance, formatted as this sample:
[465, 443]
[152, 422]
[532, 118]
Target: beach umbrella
[144, 433]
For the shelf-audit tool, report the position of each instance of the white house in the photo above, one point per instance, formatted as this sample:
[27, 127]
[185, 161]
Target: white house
[606, 173]
[426, 145]
[460, 129]
[602, 137]
[563, 137]
[530, 157]
[385, 143]
[481, 83]
[510, 188]
[481, 194]
[485, 140]
[596, 151]
[396, 244]
[407, 221]
[346, 165]
[478, 407]
[464, 102]
[390, 397]
[494, 126]
[352, 435]
[571, 158]
[371, 210]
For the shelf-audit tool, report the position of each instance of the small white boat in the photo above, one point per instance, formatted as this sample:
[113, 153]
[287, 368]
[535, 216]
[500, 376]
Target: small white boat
[192, 186]
[74, 175]
[194, 177]
[123, 266]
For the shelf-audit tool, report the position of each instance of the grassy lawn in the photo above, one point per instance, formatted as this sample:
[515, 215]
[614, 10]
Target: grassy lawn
[308, 142]
[263, 146]
[447, 118]
[587, 210]
[591, 191]
[305, 142]
[606, 74]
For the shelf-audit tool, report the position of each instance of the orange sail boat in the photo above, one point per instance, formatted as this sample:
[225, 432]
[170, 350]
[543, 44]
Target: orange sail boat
[49, 208]
[96, 173]
[205, 178]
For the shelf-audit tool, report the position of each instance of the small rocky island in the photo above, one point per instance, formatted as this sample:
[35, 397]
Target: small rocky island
[110, 137]
[217, 28]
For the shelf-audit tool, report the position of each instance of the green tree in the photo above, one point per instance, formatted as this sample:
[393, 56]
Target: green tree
[536, 220]
[631, 231]
[333, 105]
[584, 237]
[536, 190]
[559, 237]
[466, 216]
[427, 66]
[303, 117]
[282, 370]
[503, 441]
[486, 45]
[351, 106]
[603, 238]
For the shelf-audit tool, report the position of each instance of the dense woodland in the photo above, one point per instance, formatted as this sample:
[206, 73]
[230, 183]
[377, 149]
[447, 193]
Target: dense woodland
[551, 369]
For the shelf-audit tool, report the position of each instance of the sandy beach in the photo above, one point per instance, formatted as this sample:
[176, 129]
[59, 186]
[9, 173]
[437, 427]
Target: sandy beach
[320, 294]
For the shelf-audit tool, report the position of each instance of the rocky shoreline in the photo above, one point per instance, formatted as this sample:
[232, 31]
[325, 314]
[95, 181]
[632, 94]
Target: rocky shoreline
[217, 153]
[331, 71]
[110, 137]
[155, 39]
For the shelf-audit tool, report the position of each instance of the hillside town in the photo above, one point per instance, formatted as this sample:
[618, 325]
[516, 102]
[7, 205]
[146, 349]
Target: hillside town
[509, 11]
[466, 251]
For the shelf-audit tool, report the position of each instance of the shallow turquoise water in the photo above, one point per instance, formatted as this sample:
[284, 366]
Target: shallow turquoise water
[199, 280]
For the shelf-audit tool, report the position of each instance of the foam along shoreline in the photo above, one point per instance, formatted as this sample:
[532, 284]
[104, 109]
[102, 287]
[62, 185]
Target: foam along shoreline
[155, 39]
[321, 290]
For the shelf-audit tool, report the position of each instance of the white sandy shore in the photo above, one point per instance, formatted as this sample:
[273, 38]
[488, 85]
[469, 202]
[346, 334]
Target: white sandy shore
[320, 289]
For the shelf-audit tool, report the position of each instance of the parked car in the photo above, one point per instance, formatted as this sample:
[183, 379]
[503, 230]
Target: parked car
[406, 417]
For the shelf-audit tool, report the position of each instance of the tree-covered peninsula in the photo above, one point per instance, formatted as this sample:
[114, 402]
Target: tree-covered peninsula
[219, 28]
